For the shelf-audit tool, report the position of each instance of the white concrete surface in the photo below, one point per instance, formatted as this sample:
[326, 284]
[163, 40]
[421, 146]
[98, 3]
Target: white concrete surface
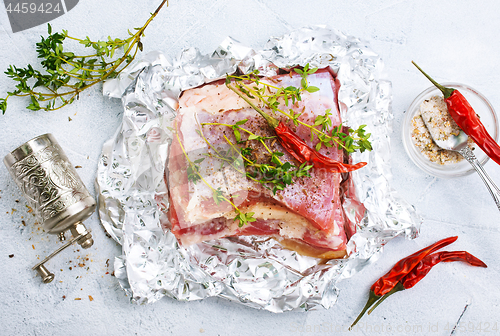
[453, 40]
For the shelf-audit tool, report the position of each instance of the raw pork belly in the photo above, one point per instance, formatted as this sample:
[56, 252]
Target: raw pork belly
[306, 216]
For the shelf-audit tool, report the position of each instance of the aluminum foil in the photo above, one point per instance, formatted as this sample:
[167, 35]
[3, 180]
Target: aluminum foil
[254, 271]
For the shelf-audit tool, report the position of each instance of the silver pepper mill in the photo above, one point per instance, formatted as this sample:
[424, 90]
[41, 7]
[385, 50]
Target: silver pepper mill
[54, 190]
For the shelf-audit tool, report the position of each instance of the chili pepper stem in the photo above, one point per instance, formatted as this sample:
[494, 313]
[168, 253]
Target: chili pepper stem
[371, 300]
[446, 91]
[399, 287]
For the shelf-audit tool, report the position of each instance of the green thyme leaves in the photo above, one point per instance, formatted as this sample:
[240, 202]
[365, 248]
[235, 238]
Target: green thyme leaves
[218, 195]
[354, 140]
[342, 137]
[306, 71]
[244, 218]
[193, 171]
[66, 74]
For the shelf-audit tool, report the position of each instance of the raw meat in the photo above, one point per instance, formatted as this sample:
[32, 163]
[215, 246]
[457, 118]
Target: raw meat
[306, 216]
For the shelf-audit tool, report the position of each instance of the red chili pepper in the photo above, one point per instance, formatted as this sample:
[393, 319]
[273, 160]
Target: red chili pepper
[465, 117]
[387, 282]
[424, 266]
[404, 266]
[296, 146]
[428, 262]
[303, 153]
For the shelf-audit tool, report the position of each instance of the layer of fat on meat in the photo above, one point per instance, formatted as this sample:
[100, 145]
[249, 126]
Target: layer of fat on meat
[290, 223]
[211, 98]
[218, 98]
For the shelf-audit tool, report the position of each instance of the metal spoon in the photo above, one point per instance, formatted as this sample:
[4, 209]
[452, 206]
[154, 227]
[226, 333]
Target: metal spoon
[458, 143]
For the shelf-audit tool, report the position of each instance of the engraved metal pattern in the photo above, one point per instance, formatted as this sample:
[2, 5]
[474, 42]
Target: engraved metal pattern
[48, 181]
[467, 153]
[54, 190]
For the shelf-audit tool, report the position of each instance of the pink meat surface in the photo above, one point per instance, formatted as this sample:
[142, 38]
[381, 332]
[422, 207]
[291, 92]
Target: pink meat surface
[309, 210]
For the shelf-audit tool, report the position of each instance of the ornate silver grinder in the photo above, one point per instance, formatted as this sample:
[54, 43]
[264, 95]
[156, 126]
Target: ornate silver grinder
[54, 190]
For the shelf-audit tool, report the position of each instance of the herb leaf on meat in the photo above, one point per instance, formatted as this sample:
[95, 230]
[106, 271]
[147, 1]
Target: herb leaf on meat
[244, 218]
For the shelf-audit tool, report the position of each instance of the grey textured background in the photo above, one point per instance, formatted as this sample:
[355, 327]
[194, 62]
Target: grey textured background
[453, 40]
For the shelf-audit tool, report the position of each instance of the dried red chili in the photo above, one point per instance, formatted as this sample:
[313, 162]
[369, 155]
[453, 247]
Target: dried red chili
[303, 153]
[431, 260]
[466, 118]
[296, 146]
[387, 282]
[425, 265]
[404, 266]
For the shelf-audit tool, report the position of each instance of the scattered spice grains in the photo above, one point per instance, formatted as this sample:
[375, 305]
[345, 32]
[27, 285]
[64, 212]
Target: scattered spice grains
[436, 112]
[80, 299]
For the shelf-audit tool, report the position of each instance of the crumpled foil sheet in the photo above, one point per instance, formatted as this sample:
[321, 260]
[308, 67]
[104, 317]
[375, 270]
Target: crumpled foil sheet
[254, 271]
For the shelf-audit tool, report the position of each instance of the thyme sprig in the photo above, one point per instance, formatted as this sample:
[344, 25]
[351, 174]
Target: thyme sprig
[271, 96]
[66, 74]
